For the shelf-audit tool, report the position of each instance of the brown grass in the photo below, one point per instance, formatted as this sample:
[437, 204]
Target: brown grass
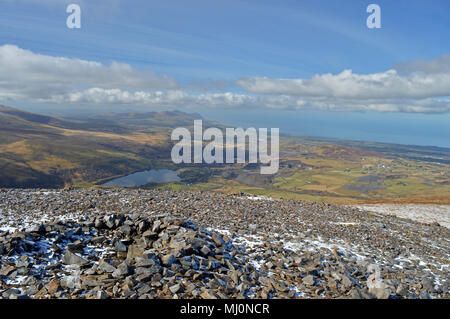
[138, 137]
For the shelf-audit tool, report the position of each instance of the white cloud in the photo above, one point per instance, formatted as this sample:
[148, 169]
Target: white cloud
[173, 98]
[182, 100]
[169, 98]
[24, 74]
[347, 84]
[419, 87]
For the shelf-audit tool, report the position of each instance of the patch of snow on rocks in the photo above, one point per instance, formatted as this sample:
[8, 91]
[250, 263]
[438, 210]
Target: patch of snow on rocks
[423, 213]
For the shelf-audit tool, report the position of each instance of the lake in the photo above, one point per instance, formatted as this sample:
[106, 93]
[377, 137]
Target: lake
[145, 177]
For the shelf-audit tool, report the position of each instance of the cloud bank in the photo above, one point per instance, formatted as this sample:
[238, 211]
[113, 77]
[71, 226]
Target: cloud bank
[349, 85]
[418, 87]
[24, 74]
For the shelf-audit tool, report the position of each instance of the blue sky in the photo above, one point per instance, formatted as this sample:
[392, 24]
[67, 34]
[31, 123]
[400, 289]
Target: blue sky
[229, 55]
[231, 39]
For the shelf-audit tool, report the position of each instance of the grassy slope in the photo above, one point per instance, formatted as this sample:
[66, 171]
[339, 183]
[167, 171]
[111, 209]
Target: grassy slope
[50, 152]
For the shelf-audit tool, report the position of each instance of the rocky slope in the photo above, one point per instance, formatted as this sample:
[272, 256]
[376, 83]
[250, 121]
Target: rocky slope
[159, 244]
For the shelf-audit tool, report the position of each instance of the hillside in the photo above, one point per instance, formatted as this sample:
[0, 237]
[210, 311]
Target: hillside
[42, 151]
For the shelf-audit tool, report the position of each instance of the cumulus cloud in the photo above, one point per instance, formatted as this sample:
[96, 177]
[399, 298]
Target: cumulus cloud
[182, 99]
[347, 84]
[175, 98]
[169, 98]
[25, 74]
[419, 86]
